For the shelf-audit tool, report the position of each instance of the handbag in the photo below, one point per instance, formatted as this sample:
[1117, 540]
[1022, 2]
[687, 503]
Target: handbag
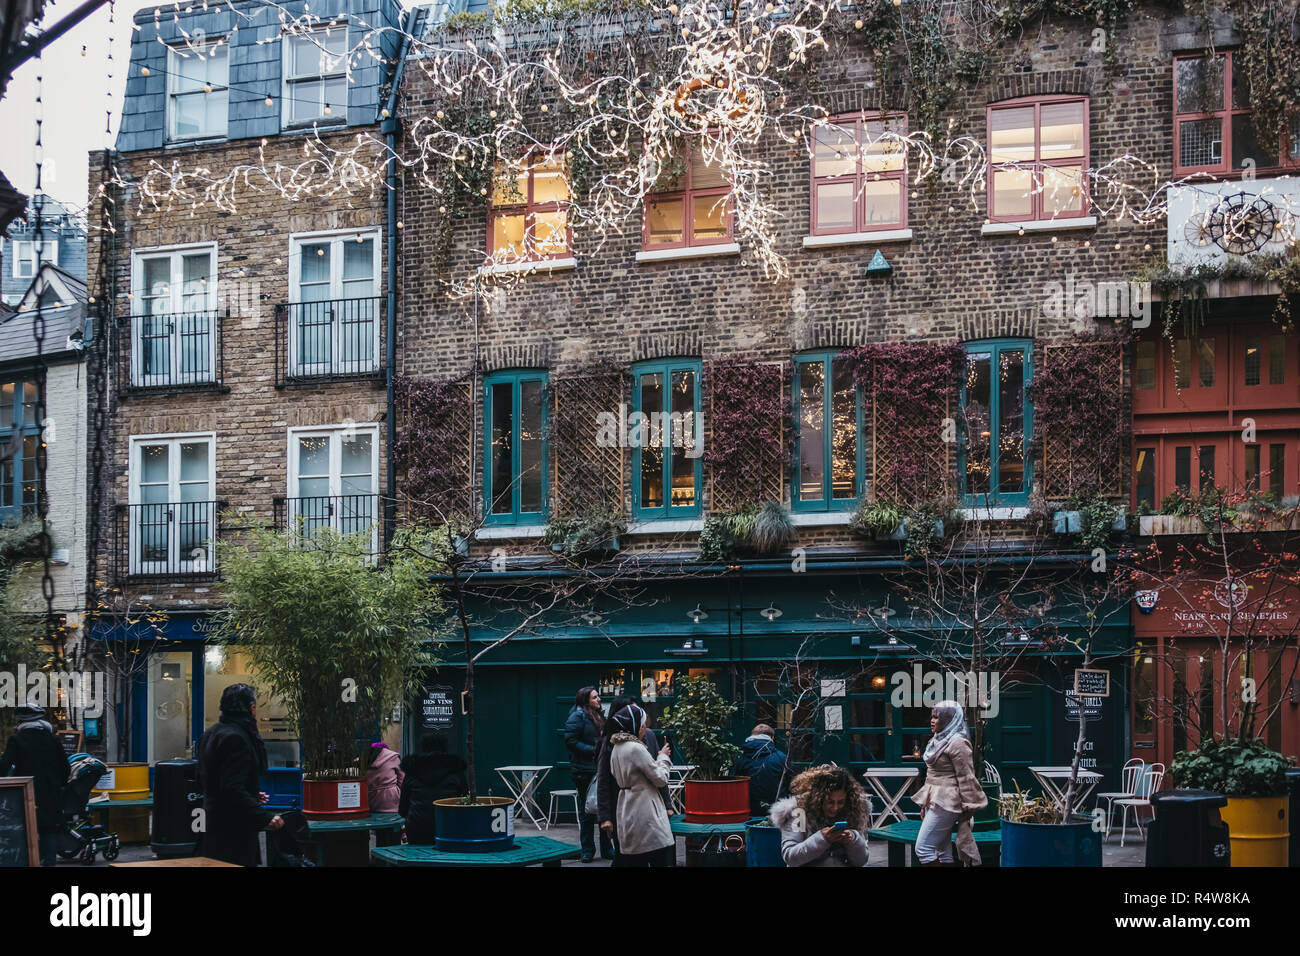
[589, 802]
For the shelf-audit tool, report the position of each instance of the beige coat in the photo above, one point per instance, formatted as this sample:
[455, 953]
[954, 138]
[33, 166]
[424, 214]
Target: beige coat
[950, 783]
[640, 817]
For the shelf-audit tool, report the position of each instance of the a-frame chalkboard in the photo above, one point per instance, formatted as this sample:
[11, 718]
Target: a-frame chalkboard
[18, 822]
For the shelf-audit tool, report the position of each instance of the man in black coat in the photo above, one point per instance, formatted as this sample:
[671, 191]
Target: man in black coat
[432, 774]
[34, 751]
[767, 768]
[231, 758]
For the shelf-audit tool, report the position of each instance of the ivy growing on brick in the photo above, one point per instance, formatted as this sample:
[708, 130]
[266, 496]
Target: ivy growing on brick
[748, 417]
[434, 435]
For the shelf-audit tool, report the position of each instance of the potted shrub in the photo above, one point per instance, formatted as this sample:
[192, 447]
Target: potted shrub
[763, 843]
[1034, 833]
[1253, 778]
[590, 534]
[339, 640]
[701, 721]
[878, 519]
[773, 528]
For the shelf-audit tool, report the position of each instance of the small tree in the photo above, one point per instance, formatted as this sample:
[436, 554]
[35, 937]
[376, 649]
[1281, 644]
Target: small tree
[701, 718]
[338, 639]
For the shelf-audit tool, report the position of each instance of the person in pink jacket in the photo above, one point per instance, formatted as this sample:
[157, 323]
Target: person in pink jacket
[384, 779]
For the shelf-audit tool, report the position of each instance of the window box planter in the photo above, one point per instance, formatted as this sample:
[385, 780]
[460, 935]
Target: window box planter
[900, 533]
[1170, 524]
[1071, 522]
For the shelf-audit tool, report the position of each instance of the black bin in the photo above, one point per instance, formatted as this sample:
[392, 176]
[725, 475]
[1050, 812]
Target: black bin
[1293, 788]
[176, 796]
[1187, 830]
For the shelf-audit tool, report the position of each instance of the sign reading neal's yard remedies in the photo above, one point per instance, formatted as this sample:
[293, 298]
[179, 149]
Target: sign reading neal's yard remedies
[1090, 682]
[436, 711]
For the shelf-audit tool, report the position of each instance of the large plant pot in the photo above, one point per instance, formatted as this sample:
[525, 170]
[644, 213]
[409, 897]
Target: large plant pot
[762, 845]
[335, 798]
[1051, 844]
[987, 819]
[717, 801]
[487, 826]
[1258, 830]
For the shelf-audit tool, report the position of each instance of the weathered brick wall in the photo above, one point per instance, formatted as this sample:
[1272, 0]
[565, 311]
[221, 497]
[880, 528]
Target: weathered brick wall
[251, 417]
[948, 283]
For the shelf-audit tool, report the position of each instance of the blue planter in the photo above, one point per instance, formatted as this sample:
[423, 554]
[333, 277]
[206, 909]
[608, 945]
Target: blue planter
[1048, 844]
[762, 846]
[284, 786]
[484, 827]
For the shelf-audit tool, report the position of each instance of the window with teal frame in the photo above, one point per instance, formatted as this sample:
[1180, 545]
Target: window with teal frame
[19, 433]
[665, 432]
[828, 461]
[995, 465]
[515, 450]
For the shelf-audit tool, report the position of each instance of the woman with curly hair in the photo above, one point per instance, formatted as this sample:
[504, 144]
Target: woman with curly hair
[824, 820]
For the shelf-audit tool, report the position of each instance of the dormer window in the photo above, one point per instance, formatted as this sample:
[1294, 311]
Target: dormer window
[197, 91]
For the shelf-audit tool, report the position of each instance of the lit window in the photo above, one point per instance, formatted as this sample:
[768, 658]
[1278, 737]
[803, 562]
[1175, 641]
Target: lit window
[1039, 154]
[316, 77]
[828, 418]
[997, 468]
[859, 174]
[666, 439]
[197, 93]
[529, 214]
[688, 206]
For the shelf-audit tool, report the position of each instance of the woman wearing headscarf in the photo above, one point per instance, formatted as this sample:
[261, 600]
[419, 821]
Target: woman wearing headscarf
[231, 758]
[644, 836]
[820, 798]
[952, 793]
[606, 788]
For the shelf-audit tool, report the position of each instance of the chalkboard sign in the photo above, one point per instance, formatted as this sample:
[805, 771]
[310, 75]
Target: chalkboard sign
[71, 741]
[18, 822]
[436, 708]
[1090, 682]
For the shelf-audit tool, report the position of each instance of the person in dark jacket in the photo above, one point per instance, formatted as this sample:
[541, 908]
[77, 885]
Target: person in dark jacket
[432, 774]
[767, 768]
[34, 751]
[606, 788]
[231, 758]
[582, 731]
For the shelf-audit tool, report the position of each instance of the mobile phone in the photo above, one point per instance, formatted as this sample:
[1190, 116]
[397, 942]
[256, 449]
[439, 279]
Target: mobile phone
[840, 824]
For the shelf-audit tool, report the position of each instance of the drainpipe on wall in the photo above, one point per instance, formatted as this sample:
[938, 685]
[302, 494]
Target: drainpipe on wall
[388, 126]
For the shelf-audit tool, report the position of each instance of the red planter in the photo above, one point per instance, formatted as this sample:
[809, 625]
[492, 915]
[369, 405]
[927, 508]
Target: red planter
[336, 799]
[717, 801]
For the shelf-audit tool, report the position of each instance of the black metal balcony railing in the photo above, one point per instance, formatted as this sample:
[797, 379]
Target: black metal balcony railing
[344, 514]
[166, 540]
[172, 350]
[336, 338]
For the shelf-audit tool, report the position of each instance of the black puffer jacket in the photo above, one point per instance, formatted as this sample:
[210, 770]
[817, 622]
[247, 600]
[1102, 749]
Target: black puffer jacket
[429, 777]
[581, 735]
[34, 751]
[228, 773]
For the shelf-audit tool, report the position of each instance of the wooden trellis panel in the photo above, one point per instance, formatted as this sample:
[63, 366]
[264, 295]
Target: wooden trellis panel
[1064, 469]
[922, 452]
[762, 451]
[586, 475]
[445, 428]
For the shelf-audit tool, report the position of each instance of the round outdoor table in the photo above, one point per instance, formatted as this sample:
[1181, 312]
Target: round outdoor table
[901, 836]
[349, 842]
[527, 851]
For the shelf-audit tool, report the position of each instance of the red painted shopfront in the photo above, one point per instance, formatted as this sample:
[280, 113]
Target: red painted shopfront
[1194, 648]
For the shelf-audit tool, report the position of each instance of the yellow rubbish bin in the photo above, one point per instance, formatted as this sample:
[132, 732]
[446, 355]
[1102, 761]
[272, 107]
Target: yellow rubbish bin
[127, 781]
[1258, 829]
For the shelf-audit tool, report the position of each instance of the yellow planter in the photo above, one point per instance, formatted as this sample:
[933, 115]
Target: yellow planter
[1258, 829]
[130, 781]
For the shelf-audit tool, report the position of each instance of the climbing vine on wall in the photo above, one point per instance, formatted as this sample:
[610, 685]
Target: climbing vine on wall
[434, 438]
[748, 416]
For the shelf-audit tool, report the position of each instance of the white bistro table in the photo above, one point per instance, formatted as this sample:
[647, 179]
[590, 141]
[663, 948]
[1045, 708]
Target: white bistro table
[876, 777]
[523, 781]
[1055, 780]
[677, 774]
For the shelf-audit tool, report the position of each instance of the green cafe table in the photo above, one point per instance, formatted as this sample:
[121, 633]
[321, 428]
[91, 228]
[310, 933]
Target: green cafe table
[527, 851]
[712, 834]
[348, 842]
[901, 836]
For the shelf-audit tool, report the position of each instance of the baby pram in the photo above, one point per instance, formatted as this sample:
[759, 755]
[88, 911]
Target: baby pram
[80, 836]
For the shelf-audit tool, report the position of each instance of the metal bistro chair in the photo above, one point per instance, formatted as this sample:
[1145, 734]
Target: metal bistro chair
[991, 775]
[564, 795]
[1128, 778]
[1147, 784]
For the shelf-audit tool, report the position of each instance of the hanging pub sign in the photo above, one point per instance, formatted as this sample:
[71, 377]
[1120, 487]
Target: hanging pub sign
[436, 708]
[1091, 682]
[1146, 600]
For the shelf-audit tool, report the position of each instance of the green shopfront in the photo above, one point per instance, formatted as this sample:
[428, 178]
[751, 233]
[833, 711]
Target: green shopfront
[792, 650]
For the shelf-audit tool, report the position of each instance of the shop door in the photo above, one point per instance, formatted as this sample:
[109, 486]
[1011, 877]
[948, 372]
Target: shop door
[171, 677]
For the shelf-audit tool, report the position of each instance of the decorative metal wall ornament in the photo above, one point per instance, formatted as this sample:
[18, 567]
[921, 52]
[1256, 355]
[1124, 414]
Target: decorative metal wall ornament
[1241, 223]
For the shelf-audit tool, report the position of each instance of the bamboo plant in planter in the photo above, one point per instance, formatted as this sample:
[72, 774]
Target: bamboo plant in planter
[701, 719]
[338, 639]
[1253, 778]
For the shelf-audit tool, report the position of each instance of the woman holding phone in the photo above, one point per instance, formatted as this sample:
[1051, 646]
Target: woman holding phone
[951, 794]
[824, 820]
[644, 837]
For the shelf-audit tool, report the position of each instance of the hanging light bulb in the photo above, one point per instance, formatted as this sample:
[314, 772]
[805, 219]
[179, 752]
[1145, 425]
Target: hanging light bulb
[144, 71]
[269, 101]
[327, 109]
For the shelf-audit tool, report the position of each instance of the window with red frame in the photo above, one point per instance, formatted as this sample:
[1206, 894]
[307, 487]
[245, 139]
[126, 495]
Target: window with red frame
[688, 206]
[1039, 151]
[528, 220]
[1214, 131]
[859, 175]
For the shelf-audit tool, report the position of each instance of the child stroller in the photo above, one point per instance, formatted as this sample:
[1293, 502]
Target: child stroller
[80, 837]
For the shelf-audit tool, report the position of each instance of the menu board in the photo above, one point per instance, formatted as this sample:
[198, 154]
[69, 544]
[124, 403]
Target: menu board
[1091, 682]
[18, 822]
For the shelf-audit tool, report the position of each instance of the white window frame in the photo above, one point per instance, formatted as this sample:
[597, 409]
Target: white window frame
[176, 293]
[50, 254]
[335, 434]
[173, 74]
[337, 240]
[288, 82]
[137, 564]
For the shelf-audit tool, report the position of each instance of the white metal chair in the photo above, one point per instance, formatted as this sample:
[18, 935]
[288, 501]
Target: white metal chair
[564, 795]
[991, 775]
[1128, 779]
[1147, 784]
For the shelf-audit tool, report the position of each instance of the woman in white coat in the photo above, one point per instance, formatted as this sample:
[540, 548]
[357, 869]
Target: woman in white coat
[644, 837]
